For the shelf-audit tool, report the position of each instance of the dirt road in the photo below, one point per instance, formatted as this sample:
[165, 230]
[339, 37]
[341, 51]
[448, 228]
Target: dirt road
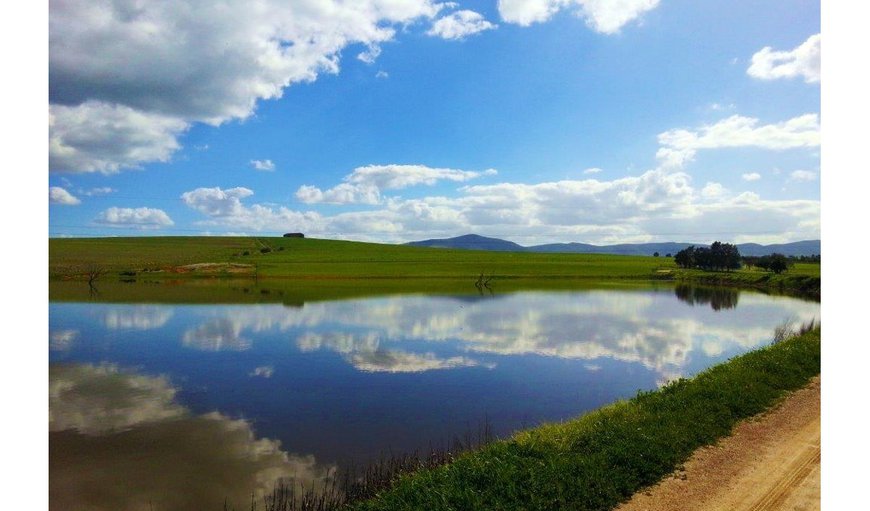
[771, 462]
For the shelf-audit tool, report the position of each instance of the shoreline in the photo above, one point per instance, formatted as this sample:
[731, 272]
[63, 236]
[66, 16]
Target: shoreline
[603, 458]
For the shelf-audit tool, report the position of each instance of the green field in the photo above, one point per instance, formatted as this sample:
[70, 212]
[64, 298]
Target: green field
[313, 258]
[165, 257]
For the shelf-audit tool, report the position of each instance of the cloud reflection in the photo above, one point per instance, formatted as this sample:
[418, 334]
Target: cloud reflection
[219, 334]
[137, 317]
[364, 353]
[649, 328]
[62, 340]
[119, 441]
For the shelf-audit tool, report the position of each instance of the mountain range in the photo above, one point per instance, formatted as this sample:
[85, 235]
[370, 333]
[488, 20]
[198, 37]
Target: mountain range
[476, 242]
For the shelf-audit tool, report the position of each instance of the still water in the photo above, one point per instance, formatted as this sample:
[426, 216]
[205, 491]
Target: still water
[168, 407]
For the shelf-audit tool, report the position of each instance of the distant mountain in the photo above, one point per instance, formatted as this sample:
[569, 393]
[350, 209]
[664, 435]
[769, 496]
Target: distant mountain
[476, 242]
[621, 249]
[798, 248]
[471, 242]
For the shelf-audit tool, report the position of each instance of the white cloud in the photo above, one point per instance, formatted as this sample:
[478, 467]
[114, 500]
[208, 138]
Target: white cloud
[137, 218]
[604, 16]
[96, 192]
[713, 190]
[679, 146]
[224, 207]
[364, 184]
[803, 176]
[102, 137]
[658, 205]
[752, 176]
[804, 61]
[382, 74]
[593, 170]
[265, 165]
[129, 76]
[459, 25]
[58, 195]
[370, 55]
[215, 201]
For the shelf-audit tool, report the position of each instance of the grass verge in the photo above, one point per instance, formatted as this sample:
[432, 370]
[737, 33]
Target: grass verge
[804, 280]
[602, 458]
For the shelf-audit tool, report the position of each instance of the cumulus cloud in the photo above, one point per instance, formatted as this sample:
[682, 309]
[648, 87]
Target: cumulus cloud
[751, 176]
[679, 146]
[128, 77]
[264, 165]
[604, 16]
[713, 190]
[225, 208]
[657, 205]
[58, 195]
[364, 184]
[134, 218]
[459, 25]
[593, 170]
[805, 61]
[215, 201]
[96, 136]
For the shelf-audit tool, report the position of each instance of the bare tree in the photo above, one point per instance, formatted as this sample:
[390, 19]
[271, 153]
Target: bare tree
[93, 272]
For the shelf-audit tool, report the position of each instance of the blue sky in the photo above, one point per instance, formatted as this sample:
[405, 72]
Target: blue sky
[538, 121]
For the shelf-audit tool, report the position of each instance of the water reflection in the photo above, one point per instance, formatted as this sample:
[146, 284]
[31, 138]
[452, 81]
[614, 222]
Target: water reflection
[346, 380]
[717, 297]
[217, 335]
[120, 441]
[60, 340]
[364, 352]
[137, 317]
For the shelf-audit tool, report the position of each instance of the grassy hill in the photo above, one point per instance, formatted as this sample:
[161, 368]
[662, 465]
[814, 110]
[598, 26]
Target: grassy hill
[315, 258]
[396, 267]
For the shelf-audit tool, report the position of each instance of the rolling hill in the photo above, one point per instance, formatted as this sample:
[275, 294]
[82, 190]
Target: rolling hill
[476, 242]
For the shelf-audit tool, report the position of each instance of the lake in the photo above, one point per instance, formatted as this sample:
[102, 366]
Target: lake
[188, 406]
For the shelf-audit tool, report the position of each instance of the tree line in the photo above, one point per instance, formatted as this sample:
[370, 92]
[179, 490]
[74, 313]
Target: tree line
[725, 256]
[717, 257]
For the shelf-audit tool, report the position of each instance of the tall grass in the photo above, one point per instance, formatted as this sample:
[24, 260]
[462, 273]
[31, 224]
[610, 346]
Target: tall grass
[355, 484]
